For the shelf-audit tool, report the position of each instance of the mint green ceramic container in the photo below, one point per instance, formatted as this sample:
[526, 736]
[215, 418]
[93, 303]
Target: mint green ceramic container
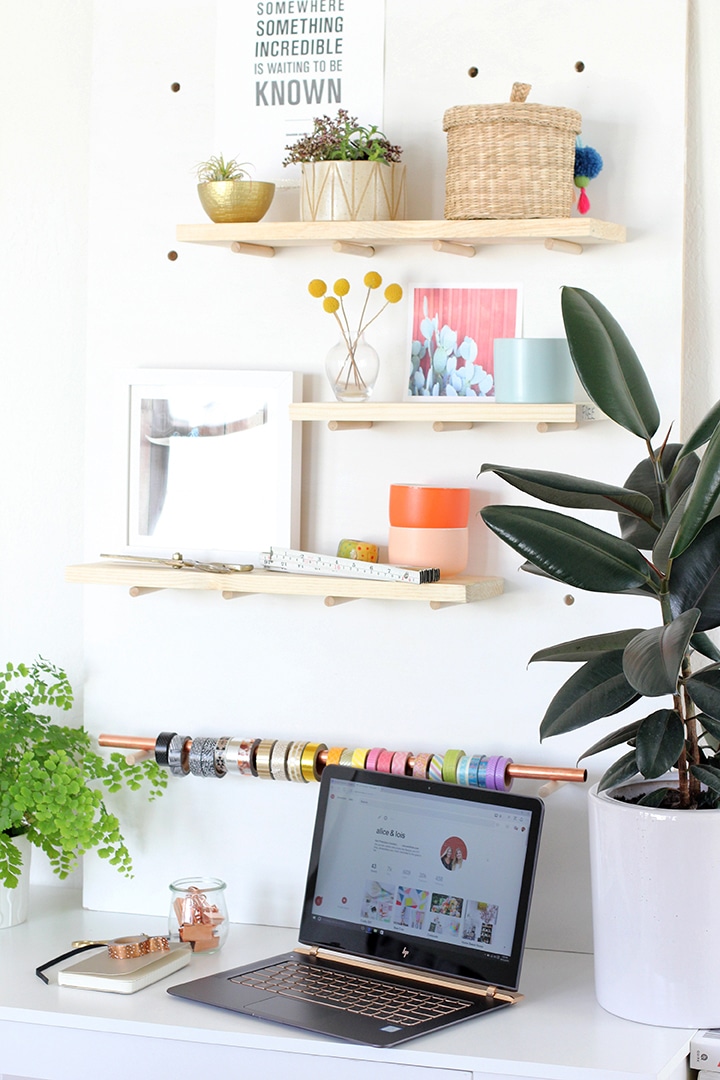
[533, 371]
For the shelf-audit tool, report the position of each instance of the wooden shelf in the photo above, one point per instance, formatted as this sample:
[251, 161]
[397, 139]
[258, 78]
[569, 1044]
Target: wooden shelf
[443, 415]
[145, 579]
[363, 237]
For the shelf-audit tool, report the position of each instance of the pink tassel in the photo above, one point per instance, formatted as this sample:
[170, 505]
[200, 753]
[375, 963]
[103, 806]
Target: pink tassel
[583, 202]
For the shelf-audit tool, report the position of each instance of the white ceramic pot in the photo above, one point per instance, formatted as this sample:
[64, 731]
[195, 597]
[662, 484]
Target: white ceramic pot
[352, 191]
[655, 888]
[14, 902]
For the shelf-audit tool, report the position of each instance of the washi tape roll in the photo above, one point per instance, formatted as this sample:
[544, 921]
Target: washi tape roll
[294, 762]
[359, 550]
[475, 762]
[237, 755]
[202, 757]
[177, 756]
[220, 747]
[334, 755]
[414, 506]
[462, 773]
[484, 776]
[450, 764]
[435, 767]
[372, 757]
[309, 761]
[384, 761]
[278, 760]
[253, 751]
[162, 745]
[501, 781]
[263, 752]
[128, 948]
[346, 758]
[420, 765]
[359, 757]
[399, 762]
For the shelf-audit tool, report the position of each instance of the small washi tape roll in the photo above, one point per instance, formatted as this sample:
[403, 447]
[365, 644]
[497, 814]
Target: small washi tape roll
[475, 762]
[253, 751]
[483, 773]
[178, 762]
[309, 761]
[162, 744]
[462, 773]
[399, 762]
[202, 757]
[384, 761]
[278, 760]
[420, 765]
[263, 752]
[500, 780]
[334, 754]
[294, 762]
[359, 757]
[220, 748]
[127, 948]
[237, 756]
[359, 550]
[435, 767]
[346, 758]
[372, 757]
[450, 764]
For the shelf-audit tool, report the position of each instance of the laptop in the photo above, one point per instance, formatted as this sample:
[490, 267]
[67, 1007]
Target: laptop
[414, 918]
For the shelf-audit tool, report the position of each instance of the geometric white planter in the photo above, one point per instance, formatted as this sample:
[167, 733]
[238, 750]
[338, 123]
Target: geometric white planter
[14, 902]
[352, 191]
[656, 897]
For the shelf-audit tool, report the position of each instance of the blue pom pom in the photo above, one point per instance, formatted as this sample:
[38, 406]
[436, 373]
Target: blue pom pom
[587, 162]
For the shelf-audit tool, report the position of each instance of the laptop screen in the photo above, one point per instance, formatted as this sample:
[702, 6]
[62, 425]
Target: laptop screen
[431, 875]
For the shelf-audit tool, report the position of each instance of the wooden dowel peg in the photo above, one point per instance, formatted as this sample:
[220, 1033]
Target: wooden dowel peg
[141, 590]
[333, 601]
[262, 250]
[568, 246]
[453, 425]
[348, 425]
[545, 426]
[451, 247]
[550, 788]
[438, 605]
[229, 594]
[346, 247]
[136, 756]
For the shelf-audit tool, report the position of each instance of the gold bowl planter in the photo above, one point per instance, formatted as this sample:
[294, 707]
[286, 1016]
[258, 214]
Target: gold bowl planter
[236, 200]
[352, 191]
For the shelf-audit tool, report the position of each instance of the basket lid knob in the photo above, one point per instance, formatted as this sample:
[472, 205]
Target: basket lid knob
[520, 91]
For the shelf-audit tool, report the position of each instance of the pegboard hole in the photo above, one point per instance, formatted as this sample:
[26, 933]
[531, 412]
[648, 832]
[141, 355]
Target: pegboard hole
[172, 255]
[580, 65]
[175, 87]
[473, 72]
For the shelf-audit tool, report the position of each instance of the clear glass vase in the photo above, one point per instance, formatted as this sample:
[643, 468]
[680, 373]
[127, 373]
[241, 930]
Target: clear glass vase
[352, 372]
[198, 913]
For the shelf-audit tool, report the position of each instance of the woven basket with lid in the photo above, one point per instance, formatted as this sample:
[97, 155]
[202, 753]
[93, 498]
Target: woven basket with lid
[513, 160]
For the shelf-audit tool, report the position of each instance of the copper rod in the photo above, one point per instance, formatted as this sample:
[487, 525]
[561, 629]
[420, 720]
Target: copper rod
[129, 742]
[547, 772]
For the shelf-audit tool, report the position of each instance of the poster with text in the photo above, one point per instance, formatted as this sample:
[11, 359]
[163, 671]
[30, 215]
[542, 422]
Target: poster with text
[281, 63]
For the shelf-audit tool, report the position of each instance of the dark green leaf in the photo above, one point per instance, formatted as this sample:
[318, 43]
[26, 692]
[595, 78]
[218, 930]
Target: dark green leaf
[654, 798]
[652, 660]
[666, 538]
[571, 551]
[585, 648]
[607, 364]
[625, 768]
[574, 491]
[703, 644]
[622, 735]
[643, 479]
[695, 577]
[709, 724]
[598, 689]
[708, 775]
[660, 742]
[704, 689]
[701, 500]
[704, 431]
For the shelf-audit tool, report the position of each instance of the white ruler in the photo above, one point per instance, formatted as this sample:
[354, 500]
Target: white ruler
[307, 562]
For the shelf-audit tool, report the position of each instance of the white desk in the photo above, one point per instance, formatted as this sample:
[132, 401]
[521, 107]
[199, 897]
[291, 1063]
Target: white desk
[55, 1033]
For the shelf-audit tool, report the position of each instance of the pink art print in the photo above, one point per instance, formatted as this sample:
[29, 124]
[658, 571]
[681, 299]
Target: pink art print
[452, 335]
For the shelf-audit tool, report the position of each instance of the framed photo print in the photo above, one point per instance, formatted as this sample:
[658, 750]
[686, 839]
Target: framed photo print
[451, 337]
[213, 462]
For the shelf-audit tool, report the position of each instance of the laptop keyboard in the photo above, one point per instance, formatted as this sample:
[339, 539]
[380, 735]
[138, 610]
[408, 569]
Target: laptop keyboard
[360, 994]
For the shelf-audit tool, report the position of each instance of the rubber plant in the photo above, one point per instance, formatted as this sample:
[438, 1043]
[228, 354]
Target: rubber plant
[52, 781]
[668, 548]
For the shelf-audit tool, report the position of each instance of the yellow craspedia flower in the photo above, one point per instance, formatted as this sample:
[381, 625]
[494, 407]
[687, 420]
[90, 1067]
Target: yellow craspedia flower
[317, 288]
[331, 304]
[393, 293]
[341, 287]
[372, 279]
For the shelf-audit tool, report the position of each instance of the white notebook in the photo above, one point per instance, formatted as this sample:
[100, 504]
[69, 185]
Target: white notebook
[102, 972]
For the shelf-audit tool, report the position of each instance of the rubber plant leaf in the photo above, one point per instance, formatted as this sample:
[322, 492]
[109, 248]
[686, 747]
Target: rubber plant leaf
[665, 540]
[704, 689]
[652, 660]
[598, 689]
[619, 772]
[703, 431]
[707, 774]
[622, 735]
[709, 724]
[700, 503]
[585, 648]
[575, 491]
[607, 364]
[705, 646]
[659, 743]
[569, 550]
[694, 579]
[642, 479]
